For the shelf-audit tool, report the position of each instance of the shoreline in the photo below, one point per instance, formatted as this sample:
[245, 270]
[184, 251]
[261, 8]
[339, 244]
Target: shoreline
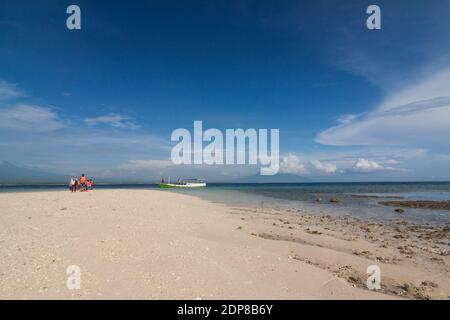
[427, 206]
[151, 244]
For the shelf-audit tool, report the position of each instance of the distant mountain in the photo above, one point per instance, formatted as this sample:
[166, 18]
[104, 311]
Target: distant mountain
[278, 178]
[12, 174]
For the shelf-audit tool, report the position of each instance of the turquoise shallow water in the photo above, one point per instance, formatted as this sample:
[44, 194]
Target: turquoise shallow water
[306, 196]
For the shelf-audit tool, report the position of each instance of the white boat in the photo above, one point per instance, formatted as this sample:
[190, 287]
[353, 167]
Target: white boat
[185, 183]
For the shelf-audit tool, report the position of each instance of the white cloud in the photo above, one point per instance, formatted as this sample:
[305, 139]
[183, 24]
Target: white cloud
[324, 167]
[113, 120]
[364, 165]
[9, 91]
[417, 116]
[29, 118]
[294, 164]
[367, 166]
[291, 164]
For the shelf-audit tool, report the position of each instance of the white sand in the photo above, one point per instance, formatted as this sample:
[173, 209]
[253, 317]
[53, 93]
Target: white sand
[160, 245]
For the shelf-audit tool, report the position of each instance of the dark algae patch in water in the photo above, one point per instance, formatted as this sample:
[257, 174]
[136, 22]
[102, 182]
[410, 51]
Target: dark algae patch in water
[419, 204]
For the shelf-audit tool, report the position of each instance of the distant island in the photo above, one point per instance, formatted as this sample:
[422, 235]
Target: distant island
[12, 174]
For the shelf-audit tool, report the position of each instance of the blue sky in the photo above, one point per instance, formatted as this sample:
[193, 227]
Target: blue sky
[351, 104]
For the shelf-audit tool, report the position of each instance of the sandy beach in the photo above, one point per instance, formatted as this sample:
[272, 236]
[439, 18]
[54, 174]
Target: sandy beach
[151, 244]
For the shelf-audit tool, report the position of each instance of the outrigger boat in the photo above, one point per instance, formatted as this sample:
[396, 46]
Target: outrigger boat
[184, 183]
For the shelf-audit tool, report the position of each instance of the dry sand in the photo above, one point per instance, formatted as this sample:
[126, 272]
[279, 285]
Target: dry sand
[151, 244]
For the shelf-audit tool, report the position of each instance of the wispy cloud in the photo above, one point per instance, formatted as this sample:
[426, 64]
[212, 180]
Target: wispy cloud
[39, 135]
[416, 116]
[80, 148]
[29, 118]
[9, 91]
[113, 120]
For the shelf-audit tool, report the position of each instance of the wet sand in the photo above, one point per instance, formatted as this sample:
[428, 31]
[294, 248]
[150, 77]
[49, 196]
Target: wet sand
[150, 244]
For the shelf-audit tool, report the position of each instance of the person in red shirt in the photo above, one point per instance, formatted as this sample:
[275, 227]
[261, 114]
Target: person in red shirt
[83, 182]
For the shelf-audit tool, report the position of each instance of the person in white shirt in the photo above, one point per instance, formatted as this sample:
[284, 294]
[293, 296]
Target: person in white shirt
[72, 184]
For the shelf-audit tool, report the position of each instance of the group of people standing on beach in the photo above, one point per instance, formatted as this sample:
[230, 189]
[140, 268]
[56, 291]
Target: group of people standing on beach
[83, 184]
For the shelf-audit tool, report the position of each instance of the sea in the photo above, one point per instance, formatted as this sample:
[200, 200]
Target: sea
[355, 199]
